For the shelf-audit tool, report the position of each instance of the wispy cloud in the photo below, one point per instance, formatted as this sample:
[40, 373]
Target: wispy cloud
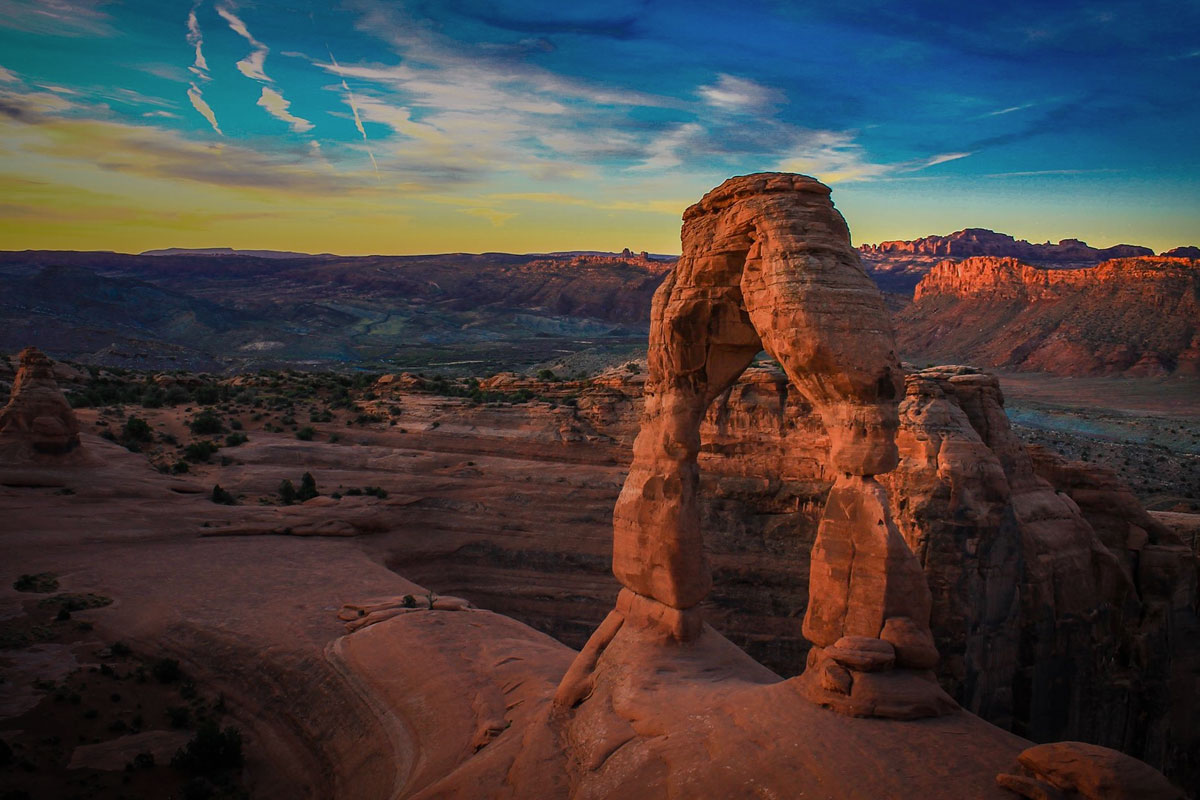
[669, 149]
[196, 39]
[731, 93]
[8, 76]
[1039, 172]
[197, 98]
[199, 70]
[56, 17]
[252, 65]
[277, 107]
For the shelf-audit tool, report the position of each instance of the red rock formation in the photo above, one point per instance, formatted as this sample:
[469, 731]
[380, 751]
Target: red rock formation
[37, 419]
[1076, 769]
[1003, 313]
[767, 264]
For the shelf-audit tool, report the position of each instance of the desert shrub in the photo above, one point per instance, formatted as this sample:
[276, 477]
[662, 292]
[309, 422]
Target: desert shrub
[207, 395]
[37, 582]
[376, 491]
[137, 430]
[308, 488]
[306, 433]
[120, 649]
[210, 750]
[177, 395]
[73, 601]
[547, 375]
[166, 670]
[199, 451]
[154, 397]
[222, 497]
[206, 422]
[287, 492]
[234, 439]
[236, 424]
[179, 716]
[179, 467]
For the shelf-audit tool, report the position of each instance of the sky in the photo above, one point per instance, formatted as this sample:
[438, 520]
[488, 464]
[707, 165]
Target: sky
[365, 126]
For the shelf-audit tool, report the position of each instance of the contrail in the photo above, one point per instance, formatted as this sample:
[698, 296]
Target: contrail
[354, 108]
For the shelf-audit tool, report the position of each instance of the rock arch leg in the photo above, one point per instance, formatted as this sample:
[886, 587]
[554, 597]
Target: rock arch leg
[701, 341]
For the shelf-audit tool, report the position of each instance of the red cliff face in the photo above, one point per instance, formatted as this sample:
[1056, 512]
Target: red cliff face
[1132, 316]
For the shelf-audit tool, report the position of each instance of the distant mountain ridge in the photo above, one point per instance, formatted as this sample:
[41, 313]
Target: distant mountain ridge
[229, 251]
[898, 266]
[983, 242]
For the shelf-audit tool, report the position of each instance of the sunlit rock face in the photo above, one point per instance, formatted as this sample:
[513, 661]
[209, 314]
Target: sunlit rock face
[767, 264]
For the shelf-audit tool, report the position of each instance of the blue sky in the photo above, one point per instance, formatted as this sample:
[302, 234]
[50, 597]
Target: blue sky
[367, 126]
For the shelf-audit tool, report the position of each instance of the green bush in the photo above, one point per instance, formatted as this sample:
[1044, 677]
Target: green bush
[308, 488]
[137, 430]
[154, 397]
[234, 439]
[306, 433]
[207, 422]
[207, 395]
[287, 492]
[179, 467]
[200, 451]
[177, 396]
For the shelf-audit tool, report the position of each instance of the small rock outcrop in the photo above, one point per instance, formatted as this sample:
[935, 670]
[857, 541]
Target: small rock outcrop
[38, 420]
[1063, 770]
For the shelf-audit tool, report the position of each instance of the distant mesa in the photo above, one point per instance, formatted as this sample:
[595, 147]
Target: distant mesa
[1187, 251]
[229, 251]
[983, 242]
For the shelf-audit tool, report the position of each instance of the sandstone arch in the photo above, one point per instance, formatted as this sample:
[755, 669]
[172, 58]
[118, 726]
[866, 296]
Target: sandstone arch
[767, 264]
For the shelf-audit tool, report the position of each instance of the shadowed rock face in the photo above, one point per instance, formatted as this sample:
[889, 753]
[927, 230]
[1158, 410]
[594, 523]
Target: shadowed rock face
[37, 415]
